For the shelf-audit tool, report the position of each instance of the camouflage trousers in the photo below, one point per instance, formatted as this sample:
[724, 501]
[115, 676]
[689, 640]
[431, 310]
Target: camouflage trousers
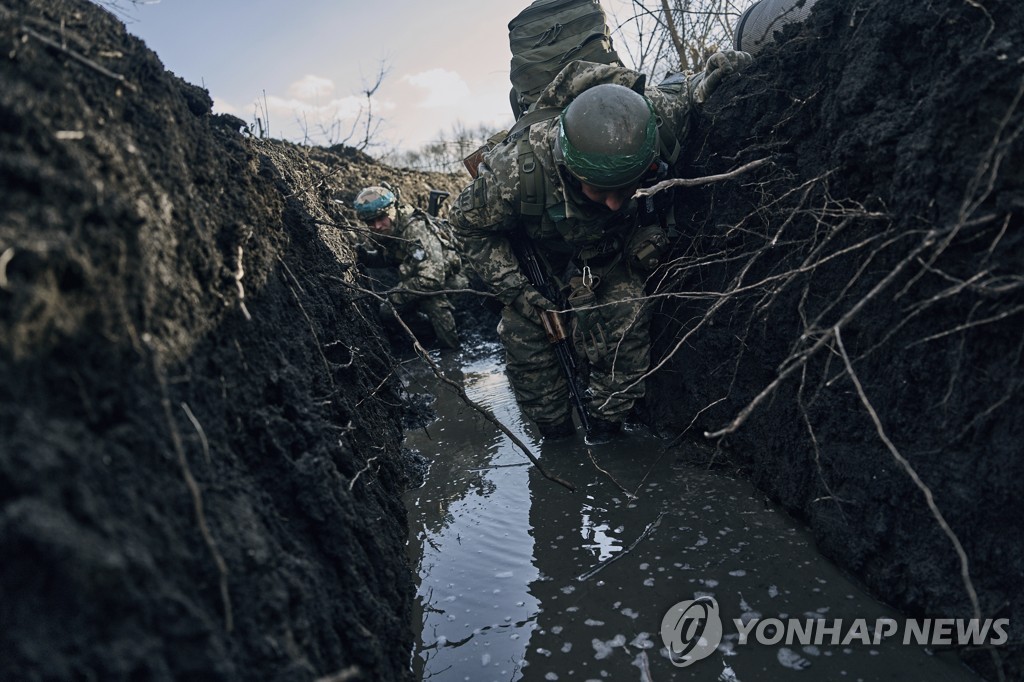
[438, 309]
[616, 346]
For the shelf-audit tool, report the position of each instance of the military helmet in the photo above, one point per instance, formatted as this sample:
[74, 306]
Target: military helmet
[374, 202]
[608, 136]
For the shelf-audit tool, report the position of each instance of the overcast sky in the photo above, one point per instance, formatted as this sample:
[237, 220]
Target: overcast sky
[306, 61]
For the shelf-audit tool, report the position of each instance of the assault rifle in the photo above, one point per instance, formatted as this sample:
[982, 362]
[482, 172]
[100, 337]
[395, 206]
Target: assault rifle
[553, 321]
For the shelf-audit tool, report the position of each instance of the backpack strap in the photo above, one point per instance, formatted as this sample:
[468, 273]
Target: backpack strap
[531, 185]
[668, 144]
[531, 194]
[535, 116]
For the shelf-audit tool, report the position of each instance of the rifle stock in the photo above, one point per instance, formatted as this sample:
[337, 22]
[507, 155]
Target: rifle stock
[437, 197]
[554, 322]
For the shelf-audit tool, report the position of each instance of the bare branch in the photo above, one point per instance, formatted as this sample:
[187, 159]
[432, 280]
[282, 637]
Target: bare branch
[965, 574]
[422, 352]
[694, 182]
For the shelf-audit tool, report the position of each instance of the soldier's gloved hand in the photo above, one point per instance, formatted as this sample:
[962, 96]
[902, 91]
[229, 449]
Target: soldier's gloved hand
[646, 247]
[371, 258]
[530, 301]
[399, 296]
[719, 65]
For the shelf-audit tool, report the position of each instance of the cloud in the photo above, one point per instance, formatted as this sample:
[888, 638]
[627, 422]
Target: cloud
[341, 108]
[309, 113]
[221, 106]
[311, 87]
[318, 123]
[443, 88]
[298, 120]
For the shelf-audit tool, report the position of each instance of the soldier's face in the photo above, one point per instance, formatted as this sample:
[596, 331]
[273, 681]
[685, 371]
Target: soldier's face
[613, 199]
[381, 224]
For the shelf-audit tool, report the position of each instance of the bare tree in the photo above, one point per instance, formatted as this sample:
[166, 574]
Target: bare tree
[371, 124]
[675, 35]
[359, 132]
[445, 153]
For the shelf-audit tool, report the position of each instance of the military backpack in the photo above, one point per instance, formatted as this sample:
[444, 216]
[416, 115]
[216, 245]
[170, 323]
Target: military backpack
[549, 34]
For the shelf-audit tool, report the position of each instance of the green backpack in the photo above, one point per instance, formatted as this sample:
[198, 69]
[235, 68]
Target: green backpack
[549, 34]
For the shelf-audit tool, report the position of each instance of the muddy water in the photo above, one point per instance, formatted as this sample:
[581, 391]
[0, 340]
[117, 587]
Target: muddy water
[520, 579]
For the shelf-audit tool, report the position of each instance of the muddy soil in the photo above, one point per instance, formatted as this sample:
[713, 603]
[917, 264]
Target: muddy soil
[892, 210]
[200, 429]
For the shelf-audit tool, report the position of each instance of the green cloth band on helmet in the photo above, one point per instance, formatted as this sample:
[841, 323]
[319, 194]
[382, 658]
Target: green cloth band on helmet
[610, 171]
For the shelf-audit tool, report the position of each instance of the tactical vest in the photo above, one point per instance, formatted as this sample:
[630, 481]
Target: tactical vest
[445, 235]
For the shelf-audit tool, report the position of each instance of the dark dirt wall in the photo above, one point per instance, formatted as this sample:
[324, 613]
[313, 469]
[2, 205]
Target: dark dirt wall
[892, 209]
[200, 433]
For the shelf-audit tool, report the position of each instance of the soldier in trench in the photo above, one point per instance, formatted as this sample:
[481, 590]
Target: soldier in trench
[423, 250]
[566, 183]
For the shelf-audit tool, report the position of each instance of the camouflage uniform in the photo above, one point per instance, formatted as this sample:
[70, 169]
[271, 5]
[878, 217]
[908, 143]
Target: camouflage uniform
[570, 231]
[427, 259]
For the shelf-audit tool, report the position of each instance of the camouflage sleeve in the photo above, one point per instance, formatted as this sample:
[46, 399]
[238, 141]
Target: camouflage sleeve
[673, 100]
[423, 266]
[483, 215]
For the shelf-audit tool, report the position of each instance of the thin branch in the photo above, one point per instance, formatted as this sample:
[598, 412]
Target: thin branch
[604, 564]
[823, 340]
[84, 60]
[422, 352]
[695, 182]
[199, 429]
[309, 321]
[964, 569]
[968, 325]
[197, 500]
[352, 483]
[610, 477]
[677, 40]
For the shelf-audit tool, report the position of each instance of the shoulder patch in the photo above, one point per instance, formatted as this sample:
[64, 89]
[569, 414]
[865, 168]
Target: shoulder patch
[474, 196]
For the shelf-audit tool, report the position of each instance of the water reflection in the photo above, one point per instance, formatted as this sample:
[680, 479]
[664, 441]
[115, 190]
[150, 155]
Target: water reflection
[472, 543]
[521, 579]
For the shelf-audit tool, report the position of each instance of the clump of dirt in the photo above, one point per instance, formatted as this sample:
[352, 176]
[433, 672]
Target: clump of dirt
[200, 424]
[866, 282]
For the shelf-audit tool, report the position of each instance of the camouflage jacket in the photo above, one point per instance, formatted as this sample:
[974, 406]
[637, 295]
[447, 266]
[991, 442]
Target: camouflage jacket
[421, 250]
[490, 207]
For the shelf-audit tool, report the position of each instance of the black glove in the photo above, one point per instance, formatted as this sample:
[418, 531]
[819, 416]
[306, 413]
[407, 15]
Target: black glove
[371, 258]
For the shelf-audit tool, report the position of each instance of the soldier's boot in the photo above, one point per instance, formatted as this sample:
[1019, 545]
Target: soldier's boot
[602, 431]
[557, 430]
[444, 328]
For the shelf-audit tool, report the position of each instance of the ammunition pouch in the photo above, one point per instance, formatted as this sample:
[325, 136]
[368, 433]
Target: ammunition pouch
[603, 254]
[646, 247]
[587, 329]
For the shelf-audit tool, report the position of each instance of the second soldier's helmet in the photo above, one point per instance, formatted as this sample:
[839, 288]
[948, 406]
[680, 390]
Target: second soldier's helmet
[608, 136]
[375, 202]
